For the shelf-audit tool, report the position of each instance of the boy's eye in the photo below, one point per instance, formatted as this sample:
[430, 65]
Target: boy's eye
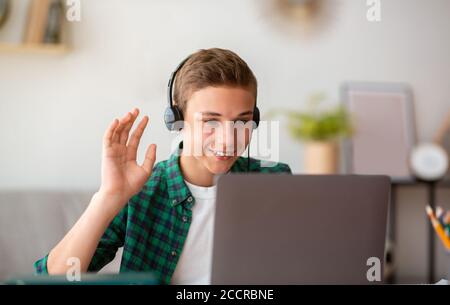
[215, 121]
[211, 124]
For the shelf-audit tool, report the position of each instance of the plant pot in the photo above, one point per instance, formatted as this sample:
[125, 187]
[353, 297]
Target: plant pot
[321, 157]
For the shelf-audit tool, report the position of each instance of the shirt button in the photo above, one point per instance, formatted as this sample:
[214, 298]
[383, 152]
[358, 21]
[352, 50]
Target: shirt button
[185, 219]
[174, 201]
[174, 253]
[189, 199]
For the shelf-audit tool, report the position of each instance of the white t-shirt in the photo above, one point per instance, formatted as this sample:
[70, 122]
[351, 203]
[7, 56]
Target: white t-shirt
[194, 264]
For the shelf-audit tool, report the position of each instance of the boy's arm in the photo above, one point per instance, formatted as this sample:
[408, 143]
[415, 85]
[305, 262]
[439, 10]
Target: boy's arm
[93, 240]
[122, 177]
[110, 242]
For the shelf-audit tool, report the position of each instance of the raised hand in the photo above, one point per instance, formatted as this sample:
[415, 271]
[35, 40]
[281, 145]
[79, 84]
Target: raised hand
[122, 176]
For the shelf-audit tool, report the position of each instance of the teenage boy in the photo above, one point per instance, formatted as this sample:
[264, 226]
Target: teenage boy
[163, 215]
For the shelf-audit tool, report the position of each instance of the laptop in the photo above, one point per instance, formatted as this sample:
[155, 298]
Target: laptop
[300, 229]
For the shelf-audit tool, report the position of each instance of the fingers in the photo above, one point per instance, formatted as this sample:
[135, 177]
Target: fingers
[122, 123]
[150, 157]
[107, 137]
[136, 138]
[126, 130]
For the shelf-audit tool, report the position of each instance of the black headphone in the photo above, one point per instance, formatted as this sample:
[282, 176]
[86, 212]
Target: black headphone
[173, 117]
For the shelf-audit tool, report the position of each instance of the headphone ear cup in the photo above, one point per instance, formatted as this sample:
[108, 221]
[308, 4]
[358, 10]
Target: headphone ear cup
[256, 116]
[173, 118]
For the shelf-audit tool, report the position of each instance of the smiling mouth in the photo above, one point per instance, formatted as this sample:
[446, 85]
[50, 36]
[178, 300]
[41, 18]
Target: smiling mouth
[222, 154]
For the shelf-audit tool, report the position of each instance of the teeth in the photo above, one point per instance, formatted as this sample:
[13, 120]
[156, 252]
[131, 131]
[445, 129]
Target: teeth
[221, 153]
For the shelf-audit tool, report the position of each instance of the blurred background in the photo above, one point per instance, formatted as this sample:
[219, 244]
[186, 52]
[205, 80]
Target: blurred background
[60, 88]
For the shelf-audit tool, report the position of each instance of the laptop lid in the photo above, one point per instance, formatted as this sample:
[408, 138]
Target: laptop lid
[299, 229]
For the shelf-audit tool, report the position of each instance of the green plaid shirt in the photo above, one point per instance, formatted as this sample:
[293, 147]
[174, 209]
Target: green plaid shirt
[153, 226]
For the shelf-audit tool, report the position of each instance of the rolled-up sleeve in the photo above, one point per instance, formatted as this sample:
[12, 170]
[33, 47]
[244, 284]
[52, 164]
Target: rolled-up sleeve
[40, 266]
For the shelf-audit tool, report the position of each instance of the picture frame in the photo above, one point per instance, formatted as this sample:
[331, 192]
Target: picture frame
[385, 131]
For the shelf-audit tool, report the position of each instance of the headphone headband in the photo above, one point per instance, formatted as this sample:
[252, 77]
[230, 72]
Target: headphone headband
[172, 81]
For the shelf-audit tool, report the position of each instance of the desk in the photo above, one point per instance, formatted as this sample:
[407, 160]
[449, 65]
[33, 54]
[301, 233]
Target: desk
[431, 193]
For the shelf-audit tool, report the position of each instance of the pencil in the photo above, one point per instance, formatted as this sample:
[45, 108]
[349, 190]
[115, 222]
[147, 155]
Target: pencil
[447, 223]
[440, 214]
[447, 218]
[439, 211]
[438, 227]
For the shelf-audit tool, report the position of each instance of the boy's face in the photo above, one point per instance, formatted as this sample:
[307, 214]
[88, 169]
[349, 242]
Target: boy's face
[218, 121]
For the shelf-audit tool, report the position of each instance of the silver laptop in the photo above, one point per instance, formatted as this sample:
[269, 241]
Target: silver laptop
[300, 229]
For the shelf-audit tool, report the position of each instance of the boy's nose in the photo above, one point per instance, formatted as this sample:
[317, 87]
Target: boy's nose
[225, 138]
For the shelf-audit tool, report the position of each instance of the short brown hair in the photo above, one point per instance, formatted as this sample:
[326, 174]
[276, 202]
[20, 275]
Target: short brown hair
[211, 67]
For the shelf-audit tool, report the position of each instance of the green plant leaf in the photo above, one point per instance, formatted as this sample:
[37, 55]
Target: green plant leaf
[318, 125]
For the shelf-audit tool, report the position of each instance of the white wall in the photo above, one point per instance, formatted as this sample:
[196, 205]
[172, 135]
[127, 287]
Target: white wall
[53, 109]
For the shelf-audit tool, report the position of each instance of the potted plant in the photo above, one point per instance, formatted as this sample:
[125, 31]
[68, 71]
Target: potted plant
[321, 129]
